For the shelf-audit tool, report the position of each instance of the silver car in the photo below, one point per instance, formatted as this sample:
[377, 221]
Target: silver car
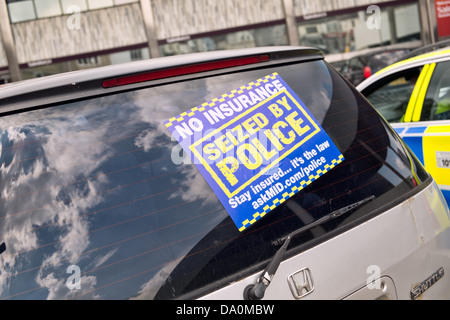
[248, 174]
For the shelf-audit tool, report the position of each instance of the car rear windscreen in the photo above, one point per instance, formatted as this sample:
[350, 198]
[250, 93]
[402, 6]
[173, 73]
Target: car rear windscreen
[99, 201]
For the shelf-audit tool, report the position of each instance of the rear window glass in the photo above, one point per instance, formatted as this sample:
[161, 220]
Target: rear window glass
[97, 201]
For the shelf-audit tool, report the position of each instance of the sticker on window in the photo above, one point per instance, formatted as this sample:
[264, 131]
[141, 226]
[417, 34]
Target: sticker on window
[256, 146]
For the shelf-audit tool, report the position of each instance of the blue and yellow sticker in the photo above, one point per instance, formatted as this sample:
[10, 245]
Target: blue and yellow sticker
[256, 146]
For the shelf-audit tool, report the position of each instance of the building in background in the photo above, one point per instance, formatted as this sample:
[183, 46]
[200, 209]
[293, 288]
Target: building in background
[43, 37]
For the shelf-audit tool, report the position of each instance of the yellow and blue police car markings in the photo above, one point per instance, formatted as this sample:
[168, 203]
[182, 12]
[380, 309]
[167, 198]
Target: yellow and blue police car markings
[416, 130]
[428, 143]
[436, 149]
[413, 137]
[399, 130]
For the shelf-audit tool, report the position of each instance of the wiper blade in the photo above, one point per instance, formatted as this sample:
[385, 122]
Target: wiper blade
[256, 291]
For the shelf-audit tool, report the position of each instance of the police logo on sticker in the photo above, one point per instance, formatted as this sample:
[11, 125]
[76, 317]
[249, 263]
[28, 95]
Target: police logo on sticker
[256, 146]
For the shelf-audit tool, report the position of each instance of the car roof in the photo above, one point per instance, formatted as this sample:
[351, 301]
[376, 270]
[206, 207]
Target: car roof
[420, 59]
[434, 56]
[337, 57]
[74, 85]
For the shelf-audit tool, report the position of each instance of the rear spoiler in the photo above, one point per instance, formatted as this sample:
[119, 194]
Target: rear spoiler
[41, 92]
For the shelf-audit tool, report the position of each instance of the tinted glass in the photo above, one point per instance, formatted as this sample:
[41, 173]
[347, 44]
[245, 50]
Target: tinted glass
[96, 202]
[390, 96]
[437, 100]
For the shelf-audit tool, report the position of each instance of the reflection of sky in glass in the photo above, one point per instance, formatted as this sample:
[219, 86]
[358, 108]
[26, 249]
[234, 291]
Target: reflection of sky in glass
[80, 187]
[92, 184]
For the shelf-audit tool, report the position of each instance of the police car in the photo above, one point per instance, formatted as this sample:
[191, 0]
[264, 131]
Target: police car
[248, 174]
[414, 96]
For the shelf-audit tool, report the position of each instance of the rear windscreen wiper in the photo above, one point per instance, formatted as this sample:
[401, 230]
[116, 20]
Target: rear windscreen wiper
[256, 291]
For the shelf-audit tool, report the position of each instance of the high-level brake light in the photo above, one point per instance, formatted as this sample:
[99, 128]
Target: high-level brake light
[179, 71]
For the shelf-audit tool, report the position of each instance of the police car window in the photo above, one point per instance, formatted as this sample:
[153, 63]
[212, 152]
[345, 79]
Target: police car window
[98, 190]
[437, 100]
[390, 96]
[356, 64]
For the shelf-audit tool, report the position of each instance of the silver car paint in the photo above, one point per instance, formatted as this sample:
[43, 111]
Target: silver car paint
[408, 243]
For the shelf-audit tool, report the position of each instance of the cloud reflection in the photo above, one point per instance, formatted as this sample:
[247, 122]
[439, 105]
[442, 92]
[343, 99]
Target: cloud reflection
[47, 184]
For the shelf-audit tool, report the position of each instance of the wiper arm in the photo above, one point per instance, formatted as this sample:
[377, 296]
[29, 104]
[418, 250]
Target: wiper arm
[256, 291]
